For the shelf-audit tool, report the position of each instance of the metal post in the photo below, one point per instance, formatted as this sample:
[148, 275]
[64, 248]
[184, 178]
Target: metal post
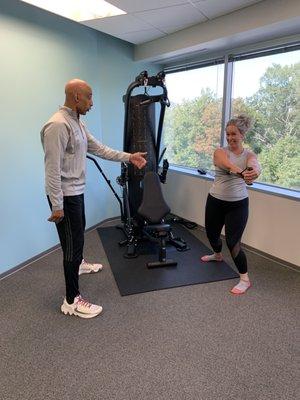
[227, 94]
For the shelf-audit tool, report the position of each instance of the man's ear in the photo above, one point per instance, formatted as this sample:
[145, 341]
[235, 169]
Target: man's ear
[76, 97]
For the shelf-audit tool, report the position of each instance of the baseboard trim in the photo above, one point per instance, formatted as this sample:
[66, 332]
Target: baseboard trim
[31, 260]
[272, 258]
[24, 264]
[283, 263]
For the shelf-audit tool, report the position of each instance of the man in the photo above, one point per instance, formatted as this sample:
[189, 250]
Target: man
[66, 141]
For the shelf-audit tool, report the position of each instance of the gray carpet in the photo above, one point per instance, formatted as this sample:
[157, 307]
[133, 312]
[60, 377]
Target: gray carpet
[187, 343]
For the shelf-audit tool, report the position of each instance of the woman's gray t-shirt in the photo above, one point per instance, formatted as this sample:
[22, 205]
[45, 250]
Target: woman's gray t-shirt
[230, 187]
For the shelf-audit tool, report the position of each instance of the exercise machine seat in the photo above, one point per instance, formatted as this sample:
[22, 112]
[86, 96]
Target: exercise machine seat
[153, 207]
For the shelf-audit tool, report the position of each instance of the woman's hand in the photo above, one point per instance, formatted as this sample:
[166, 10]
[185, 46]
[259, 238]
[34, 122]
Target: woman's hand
[253, 168]
[250, 174]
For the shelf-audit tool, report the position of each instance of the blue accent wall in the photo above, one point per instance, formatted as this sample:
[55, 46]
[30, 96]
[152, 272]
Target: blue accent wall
[39, 53]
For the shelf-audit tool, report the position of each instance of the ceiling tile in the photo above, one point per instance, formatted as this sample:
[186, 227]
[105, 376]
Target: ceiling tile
[215, 8]
[118, 24]
[142, 5]
[170, 19]
[151, 19]
[142, 36]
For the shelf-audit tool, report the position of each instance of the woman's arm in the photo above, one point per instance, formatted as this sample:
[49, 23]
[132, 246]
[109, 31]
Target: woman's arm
[221, 160]
[252, 162]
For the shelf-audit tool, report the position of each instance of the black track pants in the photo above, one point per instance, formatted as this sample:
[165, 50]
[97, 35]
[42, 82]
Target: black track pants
[233, 215]
[71, 235]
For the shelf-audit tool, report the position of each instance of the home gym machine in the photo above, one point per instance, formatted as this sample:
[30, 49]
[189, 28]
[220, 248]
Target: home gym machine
[144, 207]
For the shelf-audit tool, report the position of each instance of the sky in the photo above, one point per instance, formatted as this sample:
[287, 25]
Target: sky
[188, 84]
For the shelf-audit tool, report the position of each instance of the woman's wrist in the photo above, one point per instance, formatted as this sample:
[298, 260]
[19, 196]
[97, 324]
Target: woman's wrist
[235, 170]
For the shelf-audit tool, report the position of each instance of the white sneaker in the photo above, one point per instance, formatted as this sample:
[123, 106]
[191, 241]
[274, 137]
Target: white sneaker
[88, 268]
[82, 308]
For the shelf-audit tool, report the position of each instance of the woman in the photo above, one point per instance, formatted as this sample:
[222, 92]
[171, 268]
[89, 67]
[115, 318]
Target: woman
[227, 202]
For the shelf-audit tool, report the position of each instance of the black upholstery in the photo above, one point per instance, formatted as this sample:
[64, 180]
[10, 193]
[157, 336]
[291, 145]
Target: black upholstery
[153, 207]
[157, 228]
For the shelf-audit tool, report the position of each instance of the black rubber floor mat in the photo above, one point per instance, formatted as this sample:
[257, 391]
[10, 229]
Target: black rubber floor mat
[132, 275]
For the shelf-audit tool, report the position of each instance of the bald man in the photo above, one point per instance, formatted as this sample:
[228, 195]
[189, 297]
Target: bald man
[66, 141]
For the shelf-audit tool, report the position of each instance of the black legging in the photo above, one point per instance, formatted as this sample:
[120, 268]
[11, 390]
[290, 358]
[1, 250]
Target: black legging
[234, 215]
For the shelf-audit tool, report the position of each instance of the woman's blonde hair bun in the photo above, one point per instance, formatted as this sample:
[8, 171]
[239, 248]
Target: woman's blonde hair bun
[242, 122]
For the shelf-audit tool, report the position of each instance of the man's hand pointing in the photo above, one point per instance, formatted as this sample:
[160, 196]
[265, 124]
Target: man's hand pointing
[138, 159]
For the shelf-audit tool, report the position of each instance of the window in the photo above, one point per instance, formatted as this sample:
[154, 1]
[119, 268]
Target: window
[267, 89]
[192, 124]
[265, 86]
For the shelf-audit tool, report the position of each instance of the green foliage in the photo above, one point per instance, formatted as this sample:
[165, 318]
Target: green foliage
[281, 163]
[190, 130]
[274, 104]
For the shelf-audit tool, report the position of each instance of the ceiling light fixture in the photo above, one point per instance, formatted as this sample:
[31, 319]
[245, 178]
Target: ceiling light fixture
[78, 10]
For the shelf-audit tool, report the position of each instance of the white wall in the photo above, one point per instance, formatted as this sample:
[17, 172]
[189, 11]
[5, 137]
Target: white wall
[274, 222]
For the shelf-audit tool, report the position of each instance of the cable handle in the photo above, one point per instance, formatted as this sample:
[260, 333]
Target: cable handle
[241, 174]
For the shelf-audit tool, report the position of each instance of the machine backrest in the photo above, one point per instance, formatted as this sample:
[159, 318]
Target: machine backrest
[153, 207]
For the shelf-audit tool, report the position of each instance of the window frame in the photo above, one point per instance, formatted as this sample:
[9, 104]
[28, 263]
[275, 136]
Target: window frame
[228, 58]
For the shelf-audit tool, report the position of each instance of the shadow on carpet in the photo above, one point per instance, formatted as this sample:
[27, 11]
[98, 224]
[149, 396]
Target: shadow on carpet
[132, 275]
